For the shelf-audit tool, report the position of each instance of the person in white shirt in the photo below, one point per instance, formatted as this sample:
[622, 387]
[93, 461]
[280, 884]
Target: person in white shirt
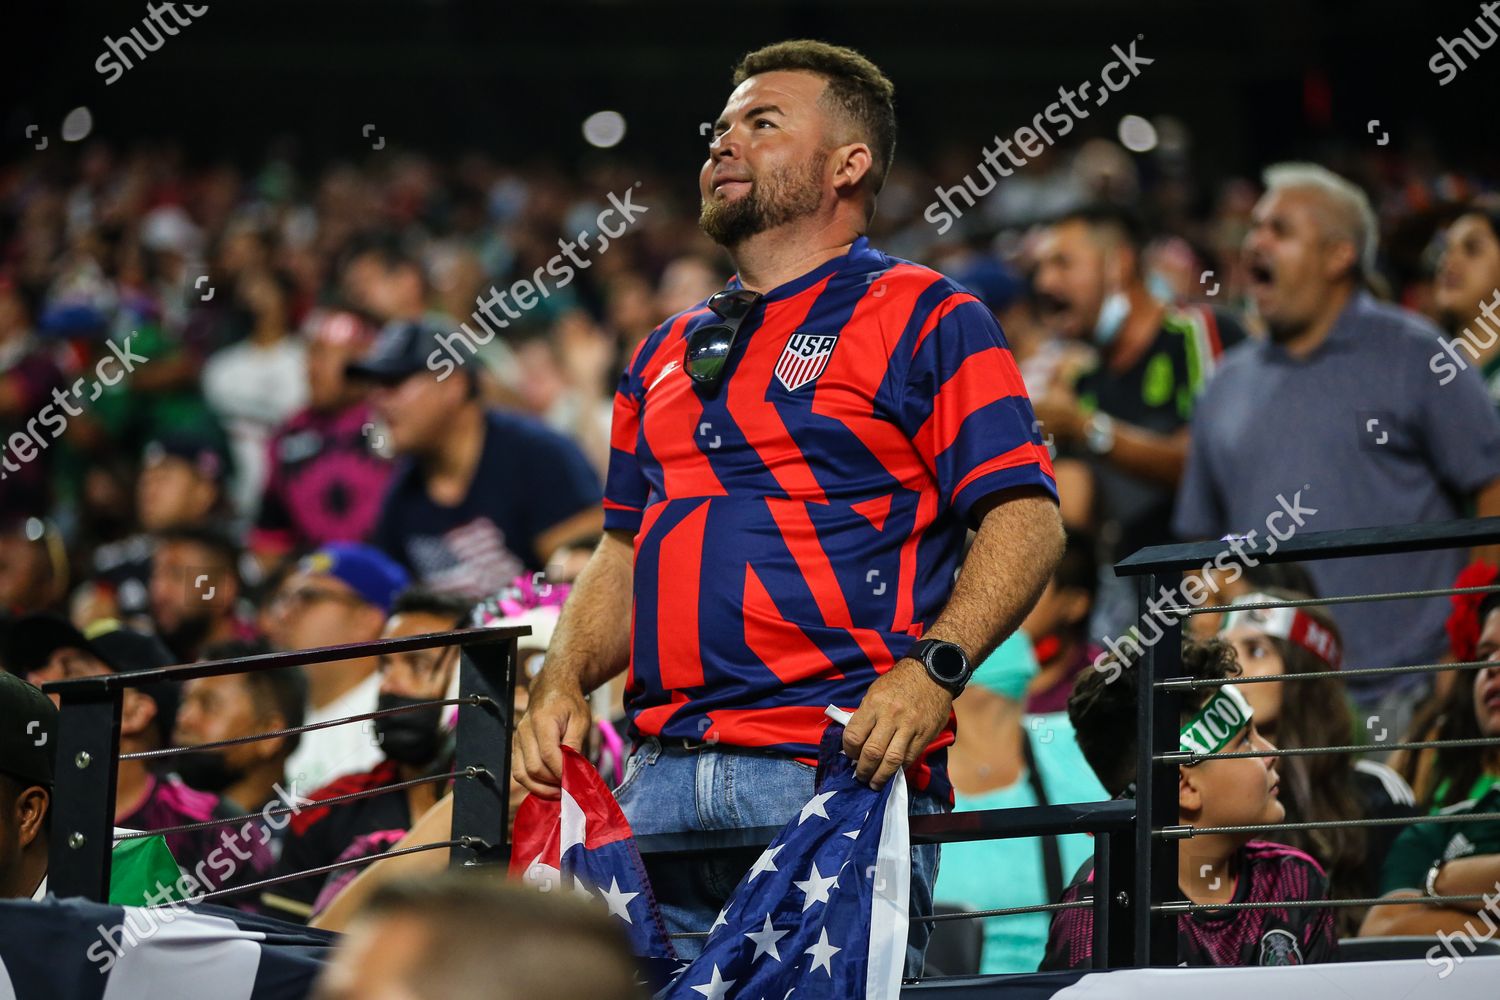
[342, 593]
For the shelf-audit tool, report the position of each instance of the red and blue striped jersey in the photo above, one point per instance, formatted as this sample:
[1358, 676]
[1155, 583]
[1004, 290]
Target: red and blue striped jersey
[797, 530]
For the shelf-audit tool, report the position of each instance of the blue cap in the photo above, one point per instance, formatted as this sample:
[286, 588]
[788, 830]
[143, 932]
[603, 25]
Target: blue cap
[1009, 668]
[372, 574]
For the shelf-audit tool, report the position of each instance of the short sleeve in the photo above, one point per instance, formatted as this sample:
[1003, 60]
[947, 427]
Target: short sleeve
[966, 410]
[1460, 426]
[1410, 857]
[625, 486]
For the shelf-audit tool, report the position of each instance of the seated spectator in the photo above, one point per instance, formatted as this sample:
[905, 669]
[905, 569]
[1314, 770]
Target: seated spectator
[1235, 581]
[28, 752]
[1017, 761]
[326, 476]
[1455, 857]
[1435, 717]
[195, 591]
[33, 566]
[469, 936]
[234, 706]
[181, 483]
[1216, 868]
[1466, 293]
[1058, 627]
[416, 743]
[44, 648]
[339, 594]
[1315, 713]
[479, 496]
[257, 383]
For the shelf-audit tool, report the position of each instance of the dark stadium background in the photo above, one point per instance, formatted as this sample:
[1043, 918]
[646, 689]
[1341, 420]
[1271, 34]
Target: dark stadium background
[1255, 81]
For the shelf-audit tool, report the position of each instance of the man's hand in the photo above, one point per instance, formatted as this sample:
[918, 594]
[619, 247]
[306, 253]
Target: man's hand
[1059, 414]
[900, 715]
[558, 715]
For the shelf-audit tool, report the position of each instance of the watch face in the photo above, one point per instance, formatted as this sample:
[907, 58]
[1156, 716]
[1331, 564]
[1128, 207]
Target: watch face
[948, 662]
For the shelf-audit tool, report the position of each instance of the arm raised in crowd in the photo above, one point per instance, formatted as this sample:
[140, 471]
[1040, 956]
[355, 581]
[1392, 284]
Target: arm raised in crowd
[591, 645]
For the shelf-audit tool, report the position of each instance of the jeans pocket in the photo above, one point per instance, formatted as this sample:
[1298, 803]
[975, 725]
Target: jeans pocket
[636, 763]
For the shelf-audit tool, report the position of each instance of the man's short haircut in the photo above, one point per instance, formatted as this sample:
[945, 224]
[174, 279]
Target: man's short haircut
[1102, 706]
[1115, 222]
[857, 91]
[1346, 214]
[421, 601]
[487, 940]
[219, 544]
[282, 691]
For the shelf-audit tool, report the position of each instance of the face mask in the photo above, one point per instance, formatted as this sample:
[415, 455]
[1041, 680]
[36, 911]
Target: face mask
[205, 770]
[1112, 316]
[414, 737]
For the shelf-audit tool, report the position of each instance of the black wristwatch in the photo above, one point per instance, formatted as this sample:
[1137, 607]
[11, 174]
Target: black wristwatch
[946, 663]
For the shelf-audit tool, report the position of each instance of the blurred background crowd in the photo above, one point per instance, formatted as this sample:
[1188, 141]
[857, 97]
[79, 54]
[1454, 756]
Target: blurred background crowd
[243, 489]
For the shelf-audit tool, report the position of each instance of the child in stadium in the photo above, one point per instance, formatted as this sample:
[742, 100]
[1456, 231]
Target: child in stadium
[1215, 868]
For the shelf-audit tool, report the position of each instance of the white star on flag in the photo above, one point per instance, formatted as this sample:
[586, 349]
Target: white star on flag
[816, 887]
[766, 862]
[721, 920]
[814, 807]
[617, 900]
[821, 953]
[716, 988]
[765, 940]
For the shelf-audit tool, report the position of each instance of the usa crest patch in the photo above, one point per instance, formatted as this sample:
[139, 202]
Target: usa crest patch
[804, 358]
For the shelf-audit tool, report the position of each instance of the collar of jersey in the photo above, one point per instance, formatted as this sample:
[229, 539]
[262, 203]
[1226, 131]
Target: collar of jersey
[860, 258]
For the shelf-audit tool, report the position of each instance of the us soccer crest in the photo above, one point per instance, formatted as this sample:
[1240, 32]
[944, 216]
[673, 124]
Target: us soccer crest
[804, 358]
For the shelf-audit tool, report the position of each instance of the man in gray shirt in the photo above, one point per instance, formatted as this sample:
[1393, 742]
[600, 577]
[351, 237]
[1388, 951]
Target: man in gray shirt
[1342, 406]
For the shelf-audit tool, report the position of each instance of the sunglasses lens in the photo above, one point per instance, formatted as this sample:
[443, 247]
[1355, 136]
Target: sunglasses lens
[707, 351]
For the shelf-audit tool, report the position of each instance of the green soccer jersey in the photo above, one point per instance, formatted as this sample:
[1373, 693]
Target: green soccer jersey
[1414, 852]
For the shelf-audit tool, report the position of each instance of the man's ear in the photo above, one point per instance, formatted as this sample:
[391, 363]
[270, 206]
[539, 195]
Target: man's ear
[137, 713]
[850, 165]
[1189, 795]
[31, 809]
[1342, 257]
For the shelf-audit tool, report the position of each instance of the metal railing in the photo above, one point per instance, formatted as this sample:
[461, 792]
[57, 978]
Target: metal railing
[1161, 687]
[88, 745]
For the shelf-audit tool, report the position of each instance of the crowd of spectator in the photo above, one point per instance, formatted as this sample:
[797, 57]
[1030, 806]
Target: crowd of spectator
[282, 469]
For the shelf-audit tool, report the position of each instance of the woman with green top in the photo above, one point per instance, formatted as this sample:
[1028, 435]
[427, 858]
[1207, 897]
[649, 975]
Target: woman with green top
[1005, 759]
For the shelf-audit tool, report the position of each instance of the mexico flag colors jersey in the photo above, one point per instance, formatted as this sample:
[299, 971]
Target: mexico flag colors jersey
[797, 529]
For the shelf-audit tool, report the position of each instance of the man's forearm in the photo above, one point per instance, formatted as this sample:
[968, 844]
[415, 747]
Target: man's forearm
[592, 641]
[1013, 556]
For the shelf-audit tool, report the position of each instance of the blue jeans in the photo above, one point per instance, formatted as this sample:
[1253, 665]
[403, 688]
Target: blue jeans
[669, 789]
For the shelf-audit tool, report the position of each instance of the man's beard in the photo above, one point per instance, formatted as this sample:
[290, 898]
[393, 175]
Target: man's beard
[780, 196]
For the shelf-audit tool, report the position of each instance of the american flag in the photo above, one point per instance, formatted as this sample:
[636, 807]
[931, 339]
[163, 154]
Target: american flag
[822, 912]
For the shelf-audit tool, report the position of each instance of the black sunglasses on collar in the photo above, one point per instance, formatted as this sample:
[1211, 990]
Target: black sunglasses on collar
[708, 347]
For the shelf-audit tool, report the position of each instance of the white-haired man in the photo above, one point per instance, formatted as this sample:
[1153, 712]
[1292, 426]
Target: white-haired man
[1337, 421]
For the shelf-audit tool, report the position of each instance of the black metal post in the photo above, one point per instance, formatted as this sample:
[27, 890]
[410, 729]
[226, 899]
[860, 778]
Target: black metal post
[1114, 877]
[481, 805]
[83, 792]
[1156, 789]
